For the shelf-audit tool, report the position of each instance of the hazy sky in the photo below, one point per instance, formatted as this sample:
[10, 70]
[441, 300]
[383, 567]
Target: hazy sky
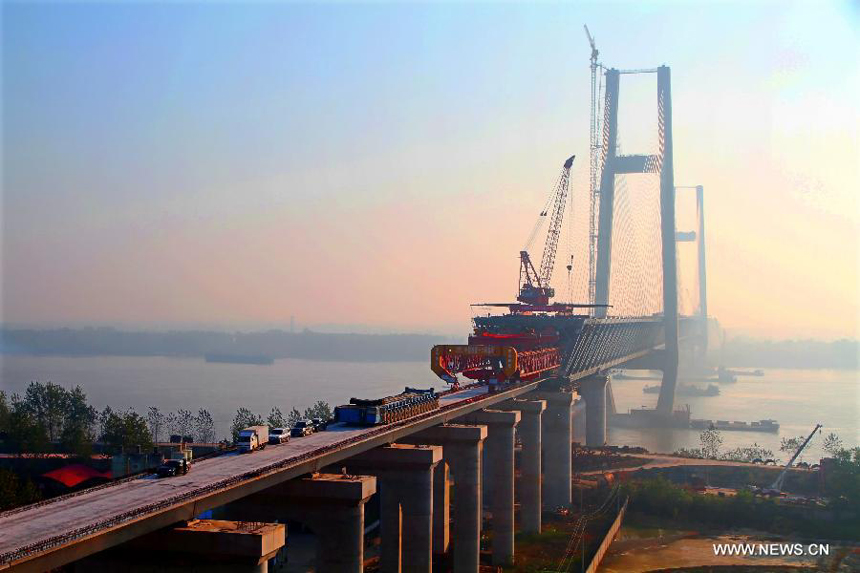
[382, 164]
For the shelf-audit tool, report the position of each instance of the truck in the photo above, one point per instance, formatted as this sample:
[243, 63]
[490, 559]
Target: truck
[253, 438]
[363, 412]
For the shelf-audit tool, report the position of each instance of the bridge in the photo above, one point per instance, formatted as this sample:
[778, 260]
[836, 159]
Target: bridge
[466, 445]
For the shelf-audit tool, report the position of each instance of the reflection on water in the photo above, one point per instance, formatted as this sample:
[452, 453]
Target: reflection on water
[798, 399]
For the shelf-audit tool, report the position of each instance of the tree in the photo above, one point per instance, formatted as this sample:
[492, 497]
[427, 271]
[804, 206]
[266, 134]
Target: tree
[843, 479]
[711, 441]
[276, 418]
[78, 430]
[47, 404]
[169, 422]
[244, 418]
[790, 445]
[14, 492]
[124, 431]
[748, 454]
[293, 417]
[157, 422]
[204, 427]
[5, 413]
[25, 433]
[184, 423]
[832, 444]
[319, 410]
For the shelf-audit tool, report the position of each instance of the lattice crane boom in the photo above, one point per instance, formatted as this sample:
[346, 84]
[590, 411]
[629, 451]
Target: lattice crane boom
[534, 284]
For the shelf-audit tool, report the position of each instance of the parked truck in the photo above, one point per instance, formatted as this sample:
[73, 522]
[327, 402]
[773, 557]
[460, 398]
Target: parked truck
[253, 438]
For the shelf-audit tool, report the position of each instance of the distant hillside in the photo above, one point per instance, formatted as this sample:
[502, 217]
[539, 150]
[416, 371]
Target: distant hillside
[274, 343]
[840, 354]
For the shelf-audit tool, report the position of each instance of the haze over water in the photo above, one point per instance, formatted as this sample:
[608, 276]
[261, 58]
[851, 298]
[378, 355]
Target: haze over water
[797, 399]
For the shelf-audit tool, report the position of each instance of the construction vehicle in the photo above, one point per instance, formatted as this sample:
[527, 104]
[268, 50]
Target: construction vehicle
[173, 467]
[776, 487]
[253, 438]
[411, 402]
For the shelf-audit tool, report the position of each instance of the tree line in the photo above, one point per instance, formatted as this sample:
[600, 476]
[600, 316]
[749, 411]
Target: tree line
[711, 440]
[49, 418]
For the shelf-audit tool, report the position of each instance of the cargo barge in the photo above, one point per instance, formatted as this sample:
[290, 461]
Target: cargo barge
[725, 425]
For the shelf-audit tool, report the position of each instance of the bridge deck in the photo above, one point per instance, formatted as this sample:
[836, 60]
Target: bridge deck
[75, 518]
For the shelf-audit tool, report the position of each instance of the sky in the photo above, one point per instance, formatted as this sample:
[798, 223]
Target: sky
[379, 166]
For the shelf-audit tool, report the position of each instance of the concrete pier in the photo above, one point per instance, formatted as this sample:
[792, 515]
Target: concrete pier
[593, 390]
[529, 430]
[556, 438]
[500, 462]
[441, 508]
[332, 505]
[405, 474]
[462, 450]
[198, 546]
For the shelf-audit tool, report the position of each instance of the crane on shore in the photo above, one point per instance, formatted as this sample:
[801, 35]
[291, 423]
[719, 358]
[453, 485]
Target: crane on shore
[776, 486]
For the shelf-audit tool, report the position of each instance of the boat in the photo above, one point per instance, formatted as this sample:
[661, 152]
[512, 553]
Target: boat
[725, 425]
[687, 390]
[239, 358]
[725, 376]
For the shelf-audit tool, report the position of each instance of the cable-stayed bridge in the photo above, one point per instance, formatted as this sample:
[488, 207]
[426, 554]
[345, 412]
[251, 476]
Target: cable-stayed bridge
[325, 480]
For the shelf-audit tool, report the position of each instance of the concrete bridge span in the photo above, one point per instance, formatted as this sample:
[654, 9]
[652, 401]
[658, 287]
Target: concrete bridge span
[66, 529]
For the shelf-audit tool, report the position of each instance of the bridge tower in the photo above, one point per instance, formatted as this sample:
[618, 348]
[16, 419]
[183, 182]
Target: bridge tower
[661, 163]
[700, 351]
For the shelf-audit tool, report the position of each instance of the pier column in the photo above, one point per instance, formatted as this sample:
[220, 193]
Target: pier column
[529, 430]
[405, 473]
[462, 450]
[197, 546]
[557, 437]
[441, 508]
[500, 462]
[332, 505]
[593, 390]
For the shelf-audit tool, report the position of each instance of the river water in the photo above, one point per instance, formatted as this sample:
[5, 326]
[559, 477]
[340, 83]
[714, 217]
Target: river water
[797, 399]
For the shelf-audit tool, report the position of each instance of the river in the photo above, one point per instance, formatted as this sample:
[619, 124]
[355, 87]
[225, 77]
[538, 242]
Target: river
[797, 399]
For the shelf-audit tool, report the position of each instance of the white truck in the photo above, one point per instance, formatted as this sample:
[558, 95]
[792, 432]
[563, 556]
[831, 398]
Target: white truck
[253, 438]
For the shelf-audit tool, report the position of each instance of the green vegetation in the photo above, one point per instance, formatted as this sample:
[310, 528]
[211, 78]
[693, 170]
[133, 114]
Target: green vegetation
[711, 441]
[14, 492]
[843, 480]
[51, 419]
[658, 498]
[48, 418]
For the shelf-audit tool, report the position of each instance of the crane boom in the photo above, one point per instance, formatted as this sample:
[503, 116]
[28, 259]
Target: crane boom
[547, 263]
[777, 485]
[534, 284]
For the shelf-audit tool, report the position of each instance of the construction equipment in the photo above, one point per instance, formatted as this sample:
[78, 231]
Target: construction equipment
[534, 286]
[490, 359]
[593, 169]
[776, 487]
